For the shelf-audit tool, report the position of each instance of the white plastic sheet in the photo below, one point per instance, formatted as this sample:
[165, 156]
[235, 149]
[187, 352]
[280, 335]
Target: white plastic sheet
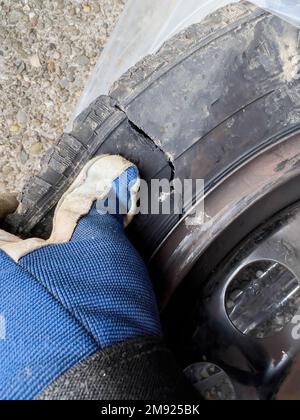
[146, 24]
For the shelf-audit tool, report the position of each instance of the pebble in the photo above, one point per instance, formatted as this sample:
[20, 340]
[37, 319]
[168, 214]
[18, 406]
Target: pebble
[36, 148]
[87, 8]
[82, 60]
[64, 83]
[34, 19]
[71, 78]
[36, 122]
[22, 117]
[65, 97]
[67, 50]
[49, 104]
[21, 67]
[51, 66]
[56, 55]
[23, 156]
[15, 128]
[35, 61]
[25, 102]
[15, 16]
[6, 170]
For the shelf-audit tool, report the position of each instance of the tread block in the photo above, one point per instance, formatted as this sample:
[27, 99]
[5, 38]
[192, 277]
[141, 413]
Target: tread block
[70, 143]
[34, 190]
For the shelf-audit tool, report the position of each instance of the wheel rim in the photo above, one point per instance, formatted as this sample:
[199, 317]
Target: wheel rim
[256, 192]
[242, 201]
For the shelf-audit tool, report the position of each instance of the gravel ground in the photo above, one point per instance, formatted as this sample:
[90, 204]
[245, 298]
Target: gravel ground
[47, 50]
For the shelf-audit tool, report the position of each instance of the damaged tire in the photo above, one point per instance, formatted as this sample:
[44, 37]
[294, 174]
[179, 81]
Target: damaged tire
[214, 97]
[219, 102]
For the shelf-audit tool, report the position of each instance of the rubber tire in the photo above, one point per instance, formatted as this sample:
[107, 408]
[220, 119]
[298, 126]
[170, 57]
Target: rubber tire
[211, 98]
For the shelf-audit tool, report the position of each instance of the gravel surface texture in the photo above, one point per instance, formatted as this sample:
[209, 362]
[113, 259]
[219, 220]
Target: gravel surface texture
[47, 50]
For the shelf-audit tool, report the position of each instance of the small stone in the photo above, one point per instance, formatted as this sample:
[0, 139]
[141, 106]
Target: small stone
[56, 55]
[71, 78]
[64, 83]
[82, 60]
[36, 148]
[21, 67]
[34, 19]
[15, 16]
[22, 117]
[64, 65]
[35, 61]
[65, 97]
[87, 8]
[45, 84]
[32, 35]
[75, 50]
[51, 66]
[14, 128]
[96, 8]
[49, 104]
[6, 170]
[66, 50]
[23, 156]
[37, 122]
[25, 102]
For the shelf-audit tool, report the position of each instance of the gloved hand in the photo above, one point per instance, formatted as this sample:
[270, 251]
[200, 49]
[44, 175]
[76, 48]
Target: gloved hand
[83, 290]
